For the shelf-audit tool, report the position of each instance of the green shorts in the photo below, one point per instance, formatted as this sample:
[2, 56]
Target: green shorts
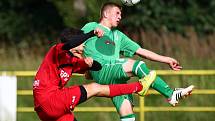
[113, 73]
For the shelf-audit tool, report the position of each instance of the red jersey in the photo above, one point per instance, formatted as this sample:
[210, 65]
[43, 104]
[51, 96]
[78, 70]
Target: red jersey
[55, 71]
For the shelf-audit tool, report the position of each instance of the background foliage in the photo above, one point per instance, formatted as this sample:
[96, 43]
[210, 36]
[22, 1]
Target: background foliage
[175, 26]
[44, 18]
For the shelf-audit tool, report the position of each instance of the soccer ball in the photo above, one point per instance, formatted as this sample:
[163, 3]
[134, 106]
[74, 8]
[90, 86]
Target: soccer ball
[130, 2]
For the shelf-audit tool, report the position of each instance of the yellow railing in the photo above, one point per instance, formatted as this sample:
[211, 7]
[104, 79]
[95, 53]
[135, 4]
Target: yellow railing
[142, 108]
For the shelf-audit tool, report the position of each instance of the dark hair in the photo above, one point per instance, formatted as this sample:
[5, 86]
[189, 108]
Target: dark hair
[107, 5]
[72, 37]
[68, 33]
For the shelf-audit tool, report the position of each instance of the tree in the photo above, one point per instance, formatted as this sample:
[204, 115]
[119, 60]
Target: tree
[24, 18]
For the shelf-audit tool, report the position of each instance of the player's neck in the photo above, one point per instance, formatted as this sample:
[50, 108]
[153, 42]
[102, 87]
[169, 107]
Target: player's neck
[105, 23]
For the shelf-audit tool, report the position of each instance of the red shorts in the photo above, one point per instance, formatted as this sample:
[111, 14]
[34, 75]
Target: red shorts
[59, 105]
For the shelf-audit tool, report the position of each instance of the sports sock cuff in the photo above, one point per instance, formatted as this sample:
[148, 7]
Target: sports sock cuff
[127, 116]
[135, 67]
[139, 86]
[139, 69]
[112, 91]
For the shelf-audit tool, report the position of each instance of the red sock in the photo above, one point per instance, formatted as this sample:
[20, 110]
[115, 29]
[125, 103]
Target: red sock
[121, 89]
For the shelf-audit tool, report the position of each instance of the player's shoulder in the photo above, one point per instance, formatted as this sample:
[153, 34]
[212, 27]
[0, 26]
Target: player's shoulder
[89, 27]
[91, 24]
[115, 30]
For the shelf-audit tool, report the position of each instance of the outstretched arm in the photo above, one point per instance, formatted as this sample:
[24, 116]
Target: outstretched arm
[174, 64]
[76, 40]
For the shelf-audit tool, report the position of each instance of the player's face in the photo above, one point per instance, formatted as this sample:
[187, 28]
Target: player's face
[78, 51]
[114, 16]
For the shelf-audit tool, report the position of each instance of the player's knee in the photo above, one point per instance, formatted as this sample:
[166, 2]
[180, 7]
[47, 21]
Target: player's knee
[96, 88]
[127, 66]
[126, 108]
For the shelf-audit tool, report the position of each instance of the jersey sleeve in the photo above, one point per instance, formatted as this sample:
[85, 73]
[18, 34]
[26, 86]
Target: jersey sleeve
[89, 27]
[128, 47]
[79, 65]
[77, 40]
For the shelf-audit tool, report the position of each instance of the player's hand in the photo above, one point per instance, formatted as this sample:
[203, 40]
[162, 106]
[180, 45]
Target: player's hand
[174, 64]
[77, 55]
[89, 61]
[99, 32]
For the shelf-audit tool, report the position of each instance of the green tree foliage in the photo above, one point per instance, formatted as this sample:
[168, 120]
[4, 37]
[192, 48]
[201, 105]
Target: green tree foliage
[22, 18]
[172, 15]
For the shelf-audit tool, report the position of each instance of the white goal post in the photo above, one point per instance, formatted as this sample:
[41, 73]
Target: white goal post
[8, 98]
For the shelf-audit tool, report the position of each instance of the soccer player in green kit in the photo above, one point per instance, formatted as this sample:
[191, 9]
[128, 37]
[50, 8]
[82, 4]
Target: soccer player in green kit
[107, 49]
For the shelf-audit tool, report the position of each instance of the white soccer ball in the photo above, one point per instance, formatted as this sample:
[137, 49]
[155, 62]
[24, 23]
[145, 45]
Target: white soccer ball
[130, 2]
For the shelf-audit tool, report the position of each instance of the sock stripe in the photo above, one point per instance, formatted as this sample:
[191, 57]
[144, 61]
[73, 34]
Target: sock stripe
[138, 67]
[129, 116]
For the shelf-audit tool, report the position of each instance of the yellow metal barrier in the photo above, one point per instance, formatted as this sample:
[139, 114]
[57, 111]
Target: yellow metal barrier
[142, 108]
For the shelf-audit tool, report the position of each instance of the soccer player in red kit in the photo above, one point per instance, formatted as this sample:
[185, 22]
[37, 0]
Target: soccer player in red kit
[53, 101]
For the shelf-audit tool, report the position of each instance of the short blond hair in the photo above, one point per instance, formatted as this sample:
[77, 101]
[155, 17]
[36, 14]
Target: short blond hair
[108, 5]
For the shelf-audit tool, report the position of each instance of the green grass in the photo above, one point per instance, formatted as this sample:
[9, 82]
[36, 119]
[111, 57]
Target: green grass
[179, 116]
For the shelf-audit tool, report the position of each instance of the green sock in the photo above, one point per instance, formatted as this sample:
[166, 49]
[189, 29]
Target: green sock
[140, 69]
[128, 117]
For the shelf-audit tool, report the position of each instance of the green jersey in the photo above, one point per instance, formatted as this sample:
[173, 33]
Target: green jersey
[108, 48]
